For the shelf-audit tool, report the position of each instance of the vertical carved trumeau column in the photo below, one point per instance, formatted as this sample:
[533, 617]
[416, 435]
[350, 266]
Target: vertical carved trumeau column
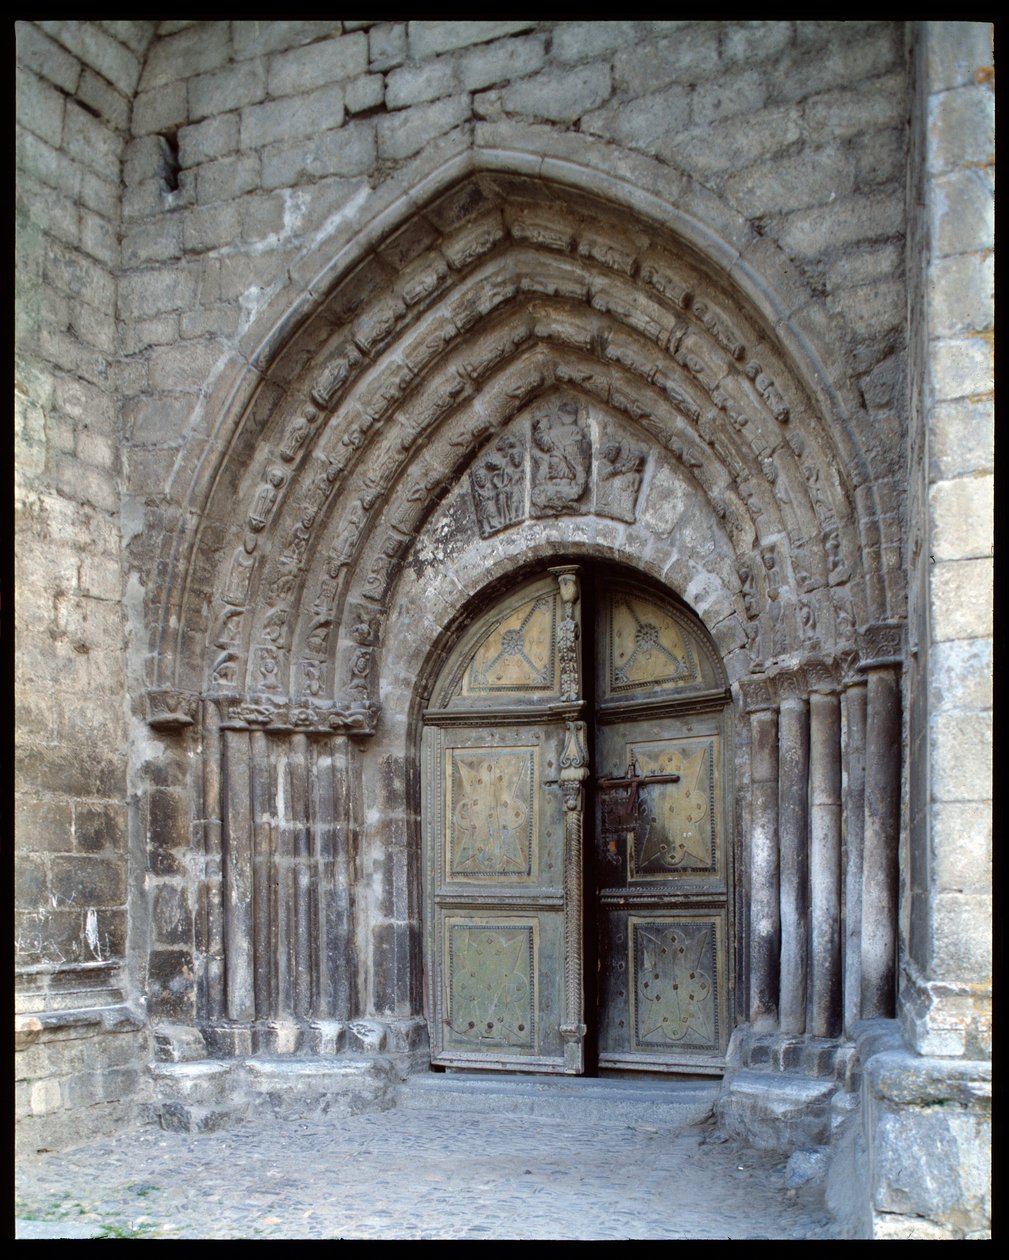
[881, 652]
[568, 634]
[854, 822]
[574, 770]
[824, 1005]
[765, 922]
[793, 818]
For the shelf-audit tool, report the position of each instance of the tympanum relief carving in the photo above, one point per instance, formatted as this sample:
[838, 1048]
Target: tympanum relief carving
[557, 461]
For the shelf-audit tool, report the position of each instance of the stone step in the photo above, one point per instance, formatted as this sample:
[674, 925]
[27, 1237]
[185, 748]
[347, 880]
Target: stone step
[777, 1110]
[594, 1100]
[193, 1096]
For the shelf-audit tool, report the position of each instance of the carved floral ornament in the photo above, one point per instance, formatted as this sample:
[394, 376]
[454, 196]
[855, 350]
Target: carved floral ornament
[515, 306]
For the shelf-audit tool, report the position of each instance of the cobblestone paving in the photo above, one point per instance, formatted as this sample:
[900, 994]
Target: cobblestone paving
[417, 1174]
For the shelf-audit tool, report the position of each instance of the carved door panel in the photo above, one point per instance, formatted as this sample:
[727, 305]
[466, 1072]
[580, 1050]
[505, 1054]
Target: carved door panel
[661, 874]
[507, 869]
[504, 759]
[497, 897]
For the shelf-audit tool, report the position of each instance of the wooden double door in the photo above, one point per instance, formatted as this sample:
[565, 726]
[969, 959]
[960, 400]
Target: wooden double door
[575, 805]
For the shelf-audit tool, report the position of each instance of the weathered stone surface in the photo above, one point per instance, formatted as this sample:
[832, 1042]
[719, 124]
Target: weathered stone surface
[559, 96]
[430, 38]
[286, 120]
[773, 1111]
[330, 61]
[722, 238]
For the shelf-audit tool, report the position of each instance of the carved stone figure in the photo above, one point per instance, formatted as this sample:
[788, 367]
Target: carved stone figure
[267, 668]
[837, 569]
[384, 568]
[275, 626]
[266, 499]
[749, 587]
[229, 628]
[807, 617]
[312, 677]
[236, 590]
[619, 480]
[297, 432]
[335, 375]
[318, 639]
[562, 461]
[498, 483]
[224, 670]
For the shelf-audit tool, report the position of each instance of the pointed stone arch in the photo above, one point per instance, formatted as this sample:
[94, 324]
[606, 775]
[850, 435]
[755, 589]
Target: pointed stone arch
[342, 527]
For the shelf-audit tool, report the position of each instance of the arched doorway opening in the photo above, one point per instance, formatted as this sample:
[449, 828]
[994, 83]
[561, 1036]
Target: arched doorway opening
[576, 822]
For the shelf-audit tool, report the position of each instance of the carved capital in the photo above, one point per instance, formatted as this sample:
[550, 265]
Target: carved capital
[171, 710]
[788, 683]
[821, 675]
[574, 764]
[881, 644]
[567, 580]
[757, 693]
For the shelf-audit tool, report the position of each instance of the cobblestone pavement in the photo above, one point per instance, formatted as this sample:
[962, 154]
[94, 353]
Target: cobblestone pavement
[417, 1174]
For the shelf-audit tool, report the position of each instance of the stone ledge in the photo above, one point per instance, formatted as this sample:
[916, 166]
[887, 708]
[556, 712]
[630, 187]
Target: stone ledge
[63, 1025]
[200, 1096]
[777, 1111]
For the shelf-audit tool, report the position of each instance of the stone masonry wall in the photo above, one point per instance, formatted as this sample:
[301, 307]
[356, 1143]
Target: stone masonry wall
[946, 998]
[75, 1067]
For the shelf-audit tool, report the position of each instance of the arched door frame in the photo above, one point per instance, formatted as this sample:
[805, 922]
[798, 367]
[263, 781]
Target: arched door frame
[563, 617]
[348, 457]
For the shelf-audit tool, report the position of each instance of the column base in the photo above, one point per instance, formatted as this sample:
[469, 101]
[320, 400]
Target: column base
[913, 1157]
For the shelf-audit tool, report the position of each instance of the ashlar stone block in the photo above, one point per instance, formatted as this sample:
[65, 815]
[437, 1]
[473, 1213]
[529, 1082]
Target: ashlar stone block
[962, 367]
[307, 115]
[411, 85]
[560, 96]
[962, 518]
[960, 675]
[40, 107]
[406, 133]
[960, 753]
[386, 45]
[956, 51]
[688, 56]
[329, 61]
[961, 843]
[962, 210]
[228, 89]
[961, 128]
[427, 39]
[583, 41]
[962, 438]
[46, 57]
[503, 61]
[961, 294]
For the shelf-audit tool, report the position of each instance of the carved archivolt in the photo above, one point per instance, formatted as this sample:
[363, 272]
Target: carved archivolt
[546, 355]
